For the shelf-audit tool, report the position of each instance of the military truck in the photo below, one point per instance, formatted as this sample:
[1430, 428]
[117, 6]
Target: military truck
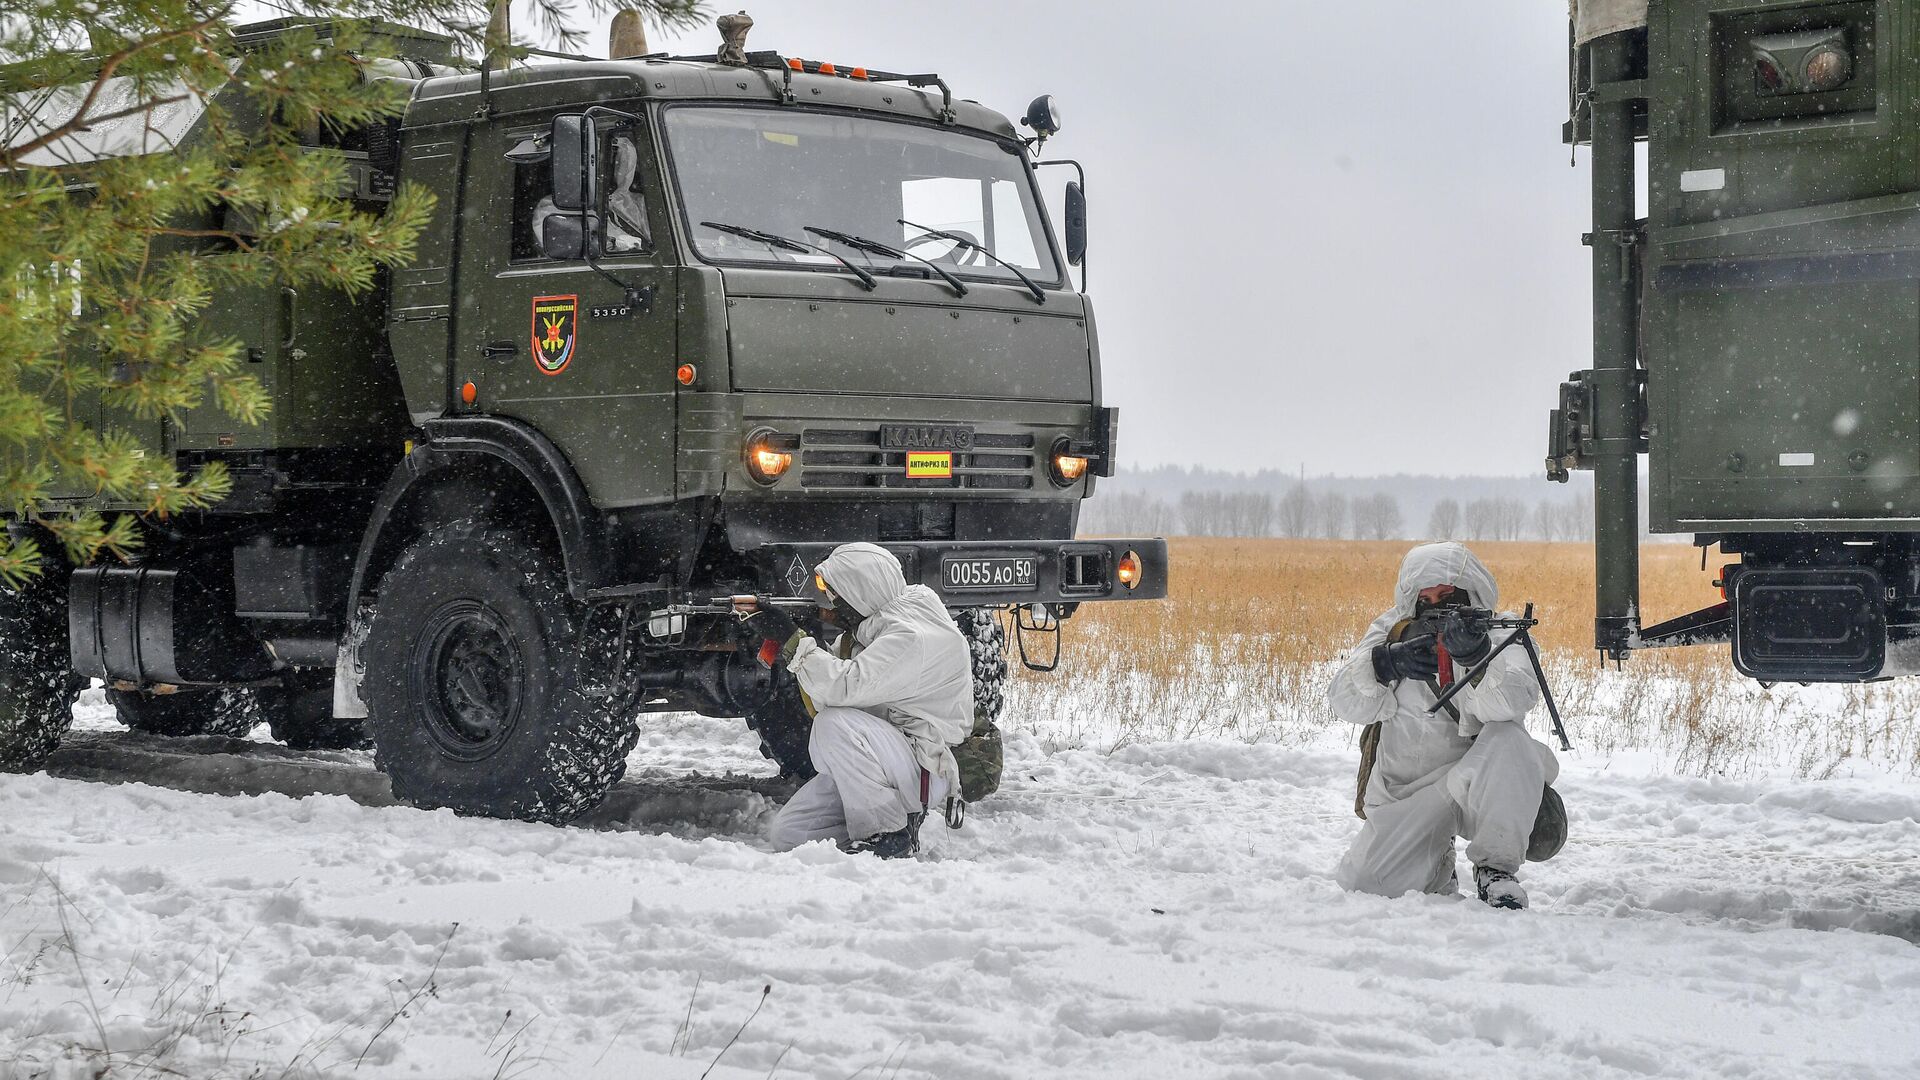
[1757, 334]
[677, 328]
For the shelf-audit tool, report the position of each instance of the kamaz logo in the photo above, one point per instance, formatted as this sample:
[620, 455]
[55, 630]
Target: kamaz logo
[925, 437]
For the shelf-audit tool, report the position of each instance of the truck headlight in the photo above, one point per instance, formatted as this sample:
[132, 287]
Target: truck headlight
[1130, 571]
[1065, 466]
[769, 455]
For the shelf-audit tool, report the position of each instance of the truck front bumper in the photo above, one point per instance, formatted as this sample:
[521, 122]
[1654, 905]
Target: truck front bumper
[993, 573]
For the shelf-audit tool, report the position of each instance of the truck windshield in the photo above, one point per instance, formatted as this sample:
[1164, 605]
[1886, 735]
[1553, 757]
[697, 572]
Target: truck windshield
[781, 170]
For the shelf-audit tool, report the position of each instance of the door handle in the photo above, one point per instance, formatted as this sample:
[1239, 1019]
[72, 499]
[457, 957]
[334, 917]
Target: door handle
[500, 348]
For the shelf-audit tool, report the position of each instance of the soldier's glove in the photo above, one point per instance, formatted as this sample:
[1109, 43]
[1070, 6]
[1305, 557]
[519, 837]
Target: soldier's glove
[1417, 658]
[1466, 638]
[777, 627]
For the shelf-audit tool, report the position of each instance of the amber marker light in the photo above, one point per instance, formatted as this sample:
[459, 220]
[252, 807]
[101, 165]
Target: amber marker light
[1130, 571]
[1065, 466]
[469, 393]
[770, 464]
[766, 461]
[685, 374]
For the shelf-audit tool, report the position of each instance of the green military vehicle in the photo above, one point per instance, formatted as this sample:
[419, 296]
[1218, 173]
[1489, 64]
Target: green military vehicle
[1757, 334]
[678, 327]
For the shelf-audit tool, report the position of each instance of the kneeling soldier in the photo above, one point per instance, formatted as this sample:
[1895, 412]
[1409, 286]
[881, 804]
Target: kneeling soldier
[887, 711]
[1470, 770]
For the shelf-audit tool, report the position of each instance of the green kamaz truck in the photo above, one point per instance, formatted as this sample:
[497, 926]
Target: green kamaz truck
[1757, 333]
[678, 327]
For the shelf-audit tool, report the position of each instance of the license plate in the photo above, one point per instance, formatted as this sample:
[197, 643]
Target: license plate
[997, 572]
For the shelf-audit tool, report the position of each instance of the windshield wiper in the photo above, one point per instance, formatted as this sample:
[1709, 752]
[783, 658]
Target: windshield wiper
[775, 240]
[875, 247]
[961, 241]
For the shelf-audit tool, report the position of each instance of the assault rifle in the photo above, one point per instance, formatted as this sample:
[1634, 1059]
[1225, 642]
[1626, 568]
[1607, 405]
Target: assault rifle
[1486, 622]
[669, 623]
[744, 605]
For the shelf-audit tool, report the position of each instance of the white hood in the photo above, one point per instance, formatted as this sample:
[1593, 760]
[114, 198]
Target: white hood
[1443, 564]
[866, 576]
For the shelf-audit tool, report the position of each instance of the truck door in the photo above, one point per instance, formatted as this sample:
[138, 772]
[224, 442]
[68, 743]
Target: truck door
[557, 343]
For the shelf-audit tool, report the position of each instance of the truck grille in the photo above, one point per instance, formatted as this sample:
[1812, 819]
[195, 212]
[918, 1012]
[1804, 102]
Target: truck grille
[851, 459]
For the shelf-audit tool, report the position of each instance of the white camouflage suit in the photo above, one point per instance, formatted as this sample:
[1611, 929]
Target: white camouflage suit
[898, 706]
[1434, 778]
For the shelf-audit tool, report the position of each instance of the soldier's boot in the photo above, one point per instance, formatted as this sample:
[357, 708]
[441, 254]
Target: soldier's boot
[898, 844]
[1498, 888]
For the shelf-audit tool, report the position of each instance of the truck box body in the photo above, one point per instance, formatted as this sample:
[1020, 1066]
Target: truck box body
[1782, 275]
[1757, 334]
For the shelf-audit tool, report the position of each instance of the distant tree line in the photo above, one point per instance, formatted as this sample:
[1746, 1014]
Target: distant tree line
[1303, 512]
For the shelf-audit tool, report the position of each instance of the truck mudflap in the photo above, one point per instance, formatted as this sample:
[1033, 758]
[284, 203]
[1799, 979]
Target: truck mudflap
[994, 573]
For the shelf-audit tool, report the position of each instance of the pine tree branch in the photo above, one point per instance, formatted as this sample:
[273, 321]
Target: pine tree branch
[9, 157]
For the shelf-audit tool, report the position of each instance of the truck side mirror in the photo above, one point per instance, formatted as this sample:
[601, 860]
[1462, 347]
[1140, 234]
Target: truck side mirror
[564, 236]
[1076, 224]
[575, 148]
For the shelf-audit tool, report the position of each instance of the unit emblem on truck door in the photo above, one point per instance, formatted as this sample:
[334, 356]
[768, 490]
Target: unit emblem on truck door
[556, 325]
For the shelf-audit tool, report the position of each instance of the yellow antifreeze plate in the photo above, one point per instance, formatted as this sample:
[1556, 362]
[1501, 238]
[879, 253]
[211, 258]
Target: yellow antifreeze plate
[928, 464]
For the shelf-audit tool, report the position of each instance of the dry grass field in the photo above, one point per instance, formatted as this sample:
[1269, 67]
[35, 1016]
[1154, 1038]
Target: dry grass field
[1242, 647]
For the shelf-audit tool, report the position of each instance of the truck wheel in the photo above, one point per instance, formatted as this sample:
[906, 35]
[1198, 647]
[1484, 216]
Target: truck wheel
[988, 640]
[784, 729]
[189, 712]
[37, 686]
[473, 683]
[300, 715]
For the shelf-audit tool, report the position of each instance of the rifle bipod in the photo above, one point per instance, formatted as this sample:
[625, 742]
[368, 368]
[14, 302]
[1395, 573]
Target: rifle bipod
[1520, 628]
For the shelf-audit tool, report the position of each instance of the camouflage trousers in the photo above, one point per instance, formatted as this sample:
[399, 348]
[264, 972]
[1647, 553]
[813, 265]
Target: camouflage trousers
[868, 782]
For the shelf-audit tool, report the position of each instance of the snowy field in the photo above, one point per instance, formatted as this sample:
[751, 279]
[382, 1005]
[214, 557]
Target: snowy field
[1160, 910]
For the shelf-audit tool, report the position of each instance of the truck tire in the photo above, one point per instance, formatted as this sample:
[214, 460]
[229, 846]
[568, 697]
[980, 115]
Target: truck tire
[473, 683]
[37, 685]
[300, 714]
[784, 729]
[988, 640]
[188, 712]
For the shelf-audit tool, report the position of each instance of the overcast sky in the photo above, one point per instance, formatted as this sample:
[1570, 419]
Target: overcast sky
[1338, 236]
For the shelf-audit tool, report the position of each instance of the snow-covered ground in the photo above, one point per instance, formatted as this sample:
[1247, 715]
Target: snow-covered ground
[1165, 910]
